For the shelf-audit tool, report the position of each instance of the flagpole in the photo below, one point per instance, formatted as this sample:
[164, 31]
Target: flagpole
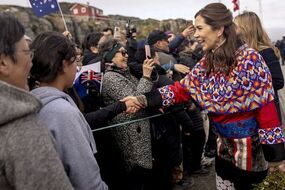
[64, 22]
[260, 10]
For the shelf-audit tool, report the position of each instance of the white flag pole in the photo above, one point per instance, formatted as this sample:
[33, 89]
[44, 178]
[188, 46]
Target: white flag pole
[237, 12]
[64, 22]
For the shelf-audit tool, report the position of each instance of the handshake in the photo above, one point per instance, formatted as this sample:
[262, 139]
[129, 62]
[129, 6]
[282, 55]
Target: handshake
[134, 103]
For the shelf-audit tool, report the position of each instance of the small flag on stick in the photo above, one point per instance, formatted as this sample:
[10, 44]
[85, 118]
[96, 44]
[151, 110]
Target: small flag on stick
[44, 7]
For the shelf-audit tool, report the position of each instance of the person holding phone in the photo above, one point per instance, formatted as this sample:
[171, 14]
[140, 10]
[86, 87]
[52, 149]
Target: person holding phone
[133, 140]
[117, 31]
[166, 134]
[158, 40]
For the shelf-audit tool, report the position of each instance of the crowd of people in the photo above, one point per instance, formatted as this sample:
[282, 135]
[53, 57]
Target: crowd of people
[223, 66]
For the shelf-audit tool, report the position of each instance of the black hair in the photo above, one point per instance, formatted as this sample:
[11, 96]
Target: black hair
[11, 32]
[108, 29]
[51, 48]
[91, 40]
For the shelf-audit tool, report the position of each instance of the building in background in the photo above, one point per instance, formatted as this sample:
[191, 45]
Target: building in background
[86, 12]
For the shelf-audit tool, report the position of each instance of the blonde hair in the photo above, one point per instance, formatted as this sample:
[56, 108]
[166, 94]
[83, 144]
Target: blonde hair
[252, 32]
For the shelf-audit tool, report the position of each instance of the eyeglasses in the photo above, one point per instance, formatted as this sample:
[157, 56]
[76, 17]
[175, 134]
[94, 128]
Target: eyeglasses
[123, 52]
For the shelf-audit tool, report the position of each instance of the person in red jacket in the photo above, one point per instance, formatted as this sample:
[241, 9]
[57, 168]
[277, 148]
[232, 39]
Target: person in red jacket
[233, 83]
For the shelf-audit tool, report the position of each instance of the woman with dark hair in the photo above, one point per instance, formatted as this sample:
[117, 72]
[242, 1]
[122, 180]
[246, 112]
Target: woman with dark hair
[233, 83]
[251, 31]
[133, 140]
[54, 67]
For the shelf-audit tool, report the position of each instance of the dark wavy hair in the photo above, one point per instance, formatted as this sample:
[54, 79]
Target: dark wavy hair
[51, 48]
[11, 31]
[217, 15]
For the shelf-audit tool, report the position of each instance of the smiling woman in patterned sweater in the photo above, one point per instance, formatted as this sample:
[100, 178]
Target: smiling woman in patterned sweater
[233, 83]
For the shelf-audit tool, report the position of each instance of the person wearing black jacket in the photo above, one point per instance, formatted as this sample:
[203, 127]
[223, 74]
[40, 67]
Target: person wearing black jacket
[90, 48]
[90, 56]
[274, 66]
[189, 55]
[166, 133]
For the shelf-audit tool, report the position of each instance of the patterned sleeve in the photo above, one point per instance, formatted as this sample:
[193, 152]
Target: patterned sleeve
[271, 133]
[173, 94]
[167, 95]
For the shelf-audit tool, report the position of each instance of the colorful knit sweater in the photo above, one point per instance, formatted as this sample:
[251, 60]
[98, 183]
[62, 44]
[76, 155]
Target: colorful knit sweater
[241, 107]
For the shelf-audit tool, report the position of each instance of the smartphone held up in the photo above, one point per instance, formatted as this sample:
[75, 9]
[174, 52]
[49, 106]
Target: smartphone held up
[147, 51]
[117, 34]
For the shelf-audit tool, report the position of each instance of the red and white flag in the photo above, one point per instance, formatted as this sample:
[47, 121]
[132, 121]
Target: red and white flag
[236, 5]
[91, 75]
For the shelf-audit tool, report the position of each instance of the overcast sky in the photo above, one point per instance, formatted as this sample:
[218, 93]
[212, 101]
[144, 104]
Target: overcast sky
[273, 11]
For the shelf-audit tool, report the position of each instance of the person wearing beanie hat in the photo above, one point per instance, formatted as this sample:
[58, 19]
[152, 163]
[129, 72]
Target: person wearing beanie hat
[133, 141]
[112, 52]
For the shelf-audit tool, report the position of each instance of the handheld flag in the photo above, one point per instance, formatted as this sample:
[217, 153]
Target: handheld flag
[236, 5]
[90, 77]
[44, 7]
